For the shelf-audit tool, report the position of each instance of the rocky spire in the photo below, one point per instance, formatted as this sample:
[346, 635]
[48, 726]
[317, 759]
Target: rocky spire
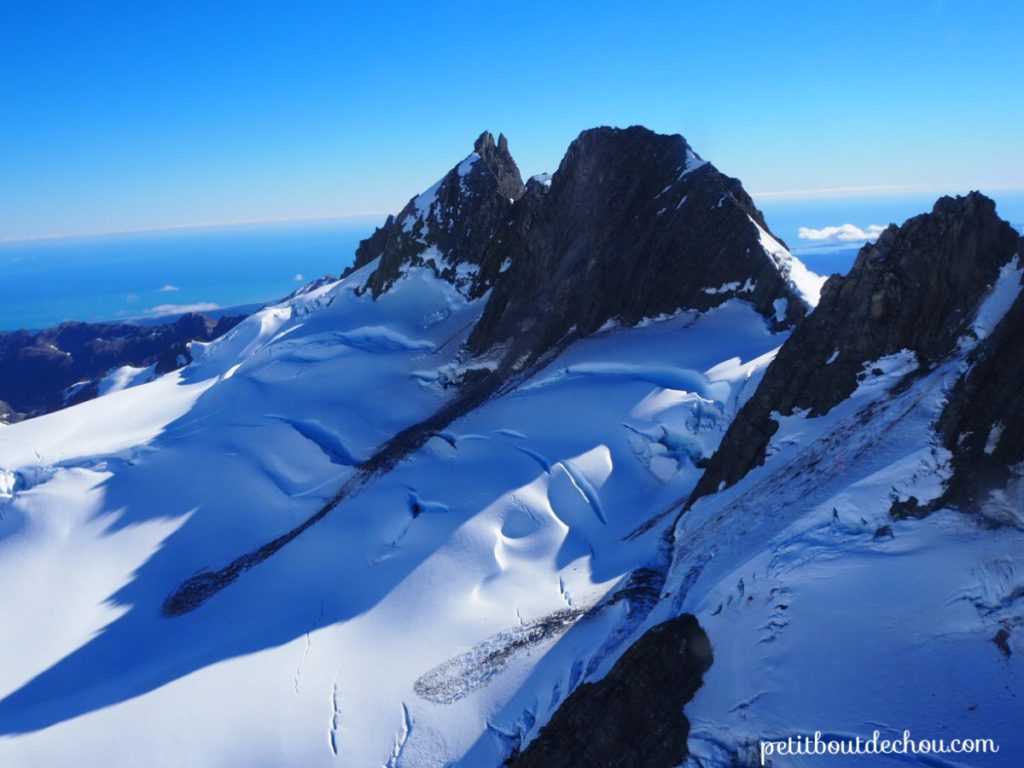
[917, 288]
[447, 228]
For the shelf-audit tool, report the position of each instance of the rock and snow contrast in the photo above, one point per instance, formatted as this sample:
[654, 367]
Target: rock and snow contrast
[564, 473]
[44, 371]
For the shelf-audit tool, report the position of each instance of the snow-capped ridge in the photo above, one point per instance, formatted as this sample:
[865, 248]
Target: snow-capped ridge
[921, 287]
[804, 283]
[447, 227]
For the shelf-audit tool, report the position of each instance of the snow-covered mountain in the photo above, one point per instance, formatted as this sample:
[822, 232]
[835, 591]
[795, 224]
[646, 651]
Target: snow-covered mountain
[449, 511]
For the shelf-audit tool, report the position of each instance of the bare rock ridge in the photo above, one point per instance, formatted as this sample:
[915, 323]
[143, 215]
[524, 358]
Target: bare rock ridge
[633, 224]
[917, 288]
[447, 227]
[633, 717]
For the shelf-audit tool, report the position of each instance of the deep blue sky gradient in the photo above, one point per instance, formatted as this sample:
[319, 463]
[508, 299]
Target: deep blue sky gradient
[119, 116]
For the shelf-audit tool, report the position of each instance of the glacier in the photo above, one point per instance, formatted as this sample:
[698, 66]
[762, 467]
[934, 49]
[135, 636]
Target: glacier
[314, 656]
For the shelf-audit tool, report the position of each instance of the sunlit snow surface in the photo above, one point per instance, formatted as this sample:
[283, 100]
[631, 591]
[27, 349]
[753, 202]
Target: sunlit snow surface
[827, 615]
[805, 283]
[438, 617]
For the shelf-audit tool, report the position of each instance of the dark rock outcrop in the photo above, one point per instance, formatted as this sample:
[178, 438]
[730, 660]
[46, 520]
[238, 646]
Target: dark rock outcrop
[983, 421]
[8, 415]
[449, 226]
[43, 371]
[633, 717]
[632, 225]
[916, 288]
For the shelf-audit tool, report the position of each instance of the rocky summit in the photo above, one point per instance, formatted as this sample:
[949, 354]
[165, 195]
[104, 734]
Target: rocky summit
[917, 288]
[632, 225]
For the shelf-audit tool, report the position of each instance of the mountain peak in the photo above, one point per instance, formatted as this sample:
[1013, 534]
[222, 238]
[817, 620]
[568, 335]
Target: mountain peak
[973, 203]
[485, 145]
[484, 142]
[633, 224]
[593, 145]
[447, 227]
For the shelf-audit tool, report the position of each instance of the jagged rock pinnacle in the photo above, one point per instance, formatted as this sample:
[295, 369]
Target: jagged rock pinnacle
[448, 227]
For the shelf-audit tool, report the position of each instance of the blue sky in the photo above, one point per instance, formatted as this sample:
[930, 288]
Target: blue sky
[122, 116]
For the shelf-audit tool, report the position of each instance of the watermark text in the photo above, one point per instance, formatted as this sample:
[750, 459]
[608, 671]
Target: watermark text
[876, 745]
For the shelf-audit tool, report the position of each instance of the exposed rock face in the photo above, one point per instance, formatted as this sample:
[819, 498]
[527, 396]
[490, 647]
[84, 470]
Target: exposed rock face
[37, 367]
[983, 422]
[634, 716]
[632, 225]
[917, 288]
[449, 226]
[7, 414]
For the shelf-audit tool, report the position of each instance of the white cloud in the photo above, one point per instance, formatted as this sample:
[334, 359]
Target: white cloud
[844, 233]
[162, 310]
[298, 278]
[131, 298]
[169, 288]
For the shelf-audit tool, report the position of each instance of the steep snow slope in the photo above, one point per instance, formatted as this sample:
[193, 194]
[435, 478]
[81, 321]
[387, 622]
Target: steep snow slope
[834, 617]
[436, 617]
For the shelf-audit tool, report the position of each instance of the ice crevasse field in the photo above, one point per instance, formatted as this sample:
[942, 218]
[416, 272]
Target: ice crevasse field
[373, 632]
[440, 616]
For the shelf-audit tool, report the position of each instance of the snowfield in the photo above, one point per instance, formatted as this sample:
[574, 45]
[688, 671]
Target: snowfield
[826, 614]
[437, 617]
[438, 611]
[441, 615]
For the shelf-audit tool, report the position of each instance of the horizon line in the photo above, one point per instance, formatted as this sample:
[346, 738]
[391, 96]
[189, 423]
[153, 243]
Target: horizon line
[197, 225]
[887, 189]
[820, 192]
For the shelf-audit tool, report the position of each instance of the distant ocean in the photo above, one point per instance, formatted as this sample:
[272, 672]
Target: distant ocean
[160, 274]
